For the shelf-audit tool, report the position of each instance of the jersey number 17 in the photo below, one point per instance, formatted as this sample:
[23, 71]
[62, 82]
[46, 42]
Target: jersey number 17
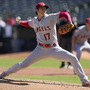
[47, 36]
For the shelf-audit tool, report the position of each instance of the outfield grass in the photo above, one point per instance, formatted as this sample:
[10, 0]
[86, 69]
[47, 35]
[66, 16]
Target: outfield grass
[43, 63]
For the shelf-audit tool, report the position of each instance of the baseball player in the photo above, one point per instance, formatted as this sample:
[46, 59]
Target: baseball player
[47, 45]
[80, 39]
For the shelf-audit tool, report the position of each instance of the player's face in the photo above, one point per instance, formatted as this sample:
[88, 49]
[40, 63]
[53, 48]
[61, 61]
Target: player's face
[88, 26]
[41, 11]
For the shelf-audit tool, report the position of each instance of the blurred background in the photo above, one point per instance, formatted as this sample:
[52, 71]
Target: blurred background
[16, 38]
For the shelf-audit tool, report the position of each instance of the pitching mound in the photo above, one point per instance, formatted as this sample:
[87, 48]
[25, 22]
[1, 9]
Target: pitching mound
[28, 84]
[22, 84]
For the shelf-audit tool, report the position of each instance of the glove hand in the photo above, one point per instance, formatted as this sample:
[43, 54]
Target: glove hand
[18, 19]
[63, 29]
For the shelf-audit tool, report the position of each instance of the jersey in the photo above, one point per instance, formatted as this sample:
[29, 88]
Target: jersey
[82, 35]
[45, 28]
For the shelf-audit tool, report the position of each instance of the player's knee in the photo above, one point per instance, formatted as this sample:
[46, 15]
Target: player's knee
[22, 65]
[74, 58]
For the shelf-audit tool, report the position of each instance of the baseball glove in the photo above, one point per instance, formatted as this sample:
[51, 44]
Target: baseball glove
[65, 28]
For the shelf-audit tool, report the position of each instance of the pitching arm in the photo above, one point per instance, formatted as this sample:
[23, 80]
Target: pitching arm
[23, 23]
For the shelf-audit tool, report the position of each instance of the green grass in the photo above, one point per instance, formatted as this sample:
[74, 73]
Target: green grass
[85, 63]
[43, 63]
[8, 62]
[64, 78]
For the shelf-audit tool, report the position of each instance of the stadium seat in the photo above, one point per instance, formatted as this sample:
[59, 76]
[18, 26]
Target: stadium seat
[26, 8]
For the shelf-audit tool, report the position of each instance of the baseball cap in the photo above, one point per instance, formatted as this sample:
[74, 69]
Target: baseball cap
[88, 20]
[41, 4]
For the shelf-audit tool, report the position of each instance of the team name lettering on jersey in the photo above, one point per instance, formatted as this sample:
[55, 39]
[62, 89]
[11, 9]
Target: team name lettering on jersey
[85, 36]
[43, 28]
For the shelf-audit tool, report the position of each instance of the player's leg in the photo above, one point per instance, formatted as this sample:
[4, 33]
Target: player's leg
[69, 48]
[64, 55]
[63, 44]
[78, 53]
[78, 50]
[35, 56]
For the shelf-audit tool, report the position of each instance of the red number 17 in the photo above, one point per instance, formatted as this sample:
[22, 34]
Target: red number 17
[47, 36]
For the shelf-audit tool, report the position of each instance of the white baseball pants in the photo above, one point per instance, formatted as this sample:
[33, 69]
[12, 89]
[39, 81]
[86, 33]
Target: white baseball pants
[54, 52]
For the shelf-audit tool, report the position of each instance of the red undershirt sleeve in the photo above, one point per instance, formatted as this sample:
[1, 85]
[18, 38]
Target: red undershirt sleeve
[24, 23]
[65, 15]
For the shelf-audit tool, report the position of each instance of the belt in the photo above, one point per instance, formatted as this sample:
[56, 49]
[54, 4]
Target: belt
[47, 45]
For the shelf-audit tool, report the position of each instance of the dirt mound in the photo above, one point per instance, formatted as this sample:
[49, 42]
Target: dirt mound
[28, 84]
[22, 84]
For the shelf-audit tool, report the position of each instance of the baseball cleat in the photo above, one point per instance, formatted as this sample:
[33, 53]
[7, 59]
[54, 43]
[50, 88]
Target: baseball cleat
[63, 66]
[70, 67]
[86, 84]
[2, 75]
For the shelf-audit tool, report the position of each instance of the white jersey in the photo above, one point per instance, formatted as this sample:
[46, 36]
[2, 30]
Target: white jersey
[45, 29]
[82, 35]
